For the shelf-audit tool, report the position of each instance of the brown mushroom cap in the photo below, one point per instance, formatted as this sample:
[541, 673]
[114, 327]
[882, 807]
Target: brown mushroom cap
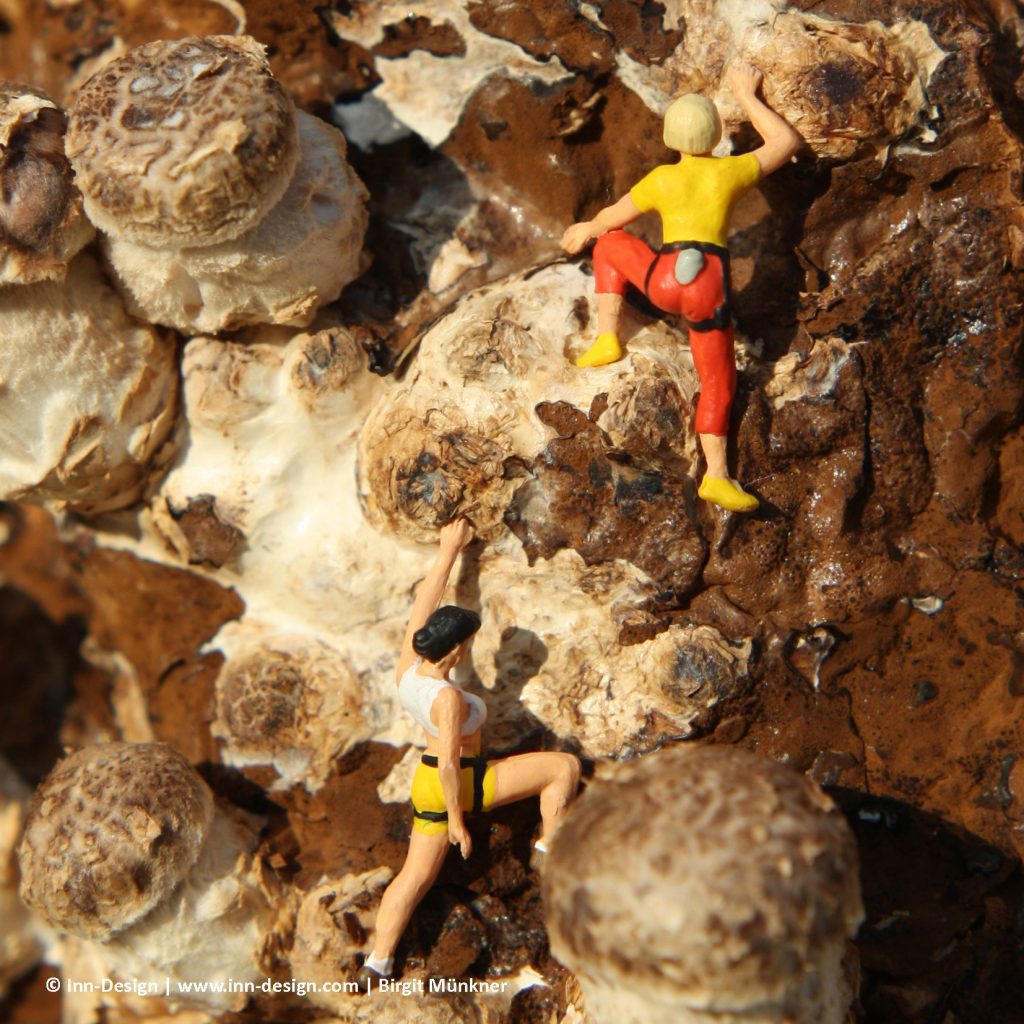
[182, 143]
[705, 879]
[110, 833]
[41, 221]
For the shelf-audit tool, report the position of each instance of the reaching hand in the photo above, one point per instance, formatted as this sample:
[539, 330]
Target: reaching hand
[577, 236]
[459, 836]
[456, 535]
[744, 79]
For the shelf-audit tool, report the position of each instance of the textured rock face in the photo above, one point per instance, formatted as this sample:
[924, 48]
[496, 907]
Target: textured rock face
[864, 627]
[552, 626]
[504, 407]
[291, 704]
[426, 82]
[850, 87]
[333, 925]
[558, 657]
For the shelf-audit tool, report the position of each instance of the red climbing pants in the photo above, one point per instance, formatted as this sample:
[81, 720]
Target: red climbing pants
[620, 257]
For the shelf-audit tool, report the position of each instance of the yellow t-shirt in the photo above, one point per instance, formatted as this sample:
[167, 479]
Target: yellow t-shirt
[695, 197]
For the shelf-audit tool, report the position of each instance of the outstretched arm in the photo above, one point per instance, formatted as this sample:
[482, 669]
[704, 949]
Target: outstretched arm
[625, 211]
[454, 537]
[781, 139]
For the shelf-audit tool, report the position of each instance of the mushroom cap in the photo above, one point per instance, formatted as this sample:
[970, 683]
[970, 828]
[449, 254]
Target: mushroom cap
[182, 142]
[111, 832]
[42, 225]
[292, 704]
[705, 879]
[296, 259]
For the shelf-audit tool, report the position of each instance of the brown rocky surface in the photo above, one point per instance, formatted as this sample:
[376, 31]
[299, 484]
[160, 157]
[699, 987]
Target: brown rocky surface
[878, 591]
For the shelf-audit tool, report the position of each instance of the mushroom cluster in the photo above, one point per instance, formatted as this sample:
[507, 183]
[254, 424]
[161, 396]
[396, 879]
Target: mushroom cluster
[88, 392]
[220, 205]
[706, 884]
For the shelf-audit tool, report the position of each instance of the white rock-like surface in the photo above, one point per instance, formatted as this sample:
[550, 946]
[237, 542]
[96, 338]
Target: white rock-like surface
[550, 644]
[88, 393]
[295, 260]
[425, 91]
[334, 923]
[844, 86]
[271, 435]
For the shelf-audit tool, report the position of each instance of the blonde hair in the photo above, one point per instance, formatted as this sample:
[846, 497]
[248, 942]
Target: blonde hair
[692, 125]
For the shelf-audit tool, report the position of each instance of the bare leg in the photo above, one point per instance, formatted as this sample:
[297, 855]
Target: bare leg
[717, 486]
[607, 348]
[714, 453]
[609, 312]
[554, 777]
[422, 863]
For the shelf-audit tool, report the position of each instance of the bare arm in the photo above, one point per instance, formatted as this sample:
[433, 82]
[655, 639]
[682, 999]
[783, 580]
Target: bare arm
[625, 211]
[781, 139]
[446, 713]
[454, 537]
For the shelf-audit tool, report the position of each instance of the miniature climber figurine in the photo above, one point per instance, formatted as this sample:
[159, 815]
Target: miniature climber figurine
[452, 777]
[690, 273]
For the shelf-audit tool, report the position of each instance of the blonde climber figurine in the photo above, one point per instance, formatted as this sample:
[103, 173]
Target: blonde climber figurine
[689, 275]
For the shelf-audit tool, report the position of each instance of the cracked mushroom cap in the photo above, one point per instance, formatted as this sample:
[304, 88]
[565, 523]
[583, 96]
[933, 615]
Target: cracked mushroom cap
[111, 832]
[707, 883]
[42, 225]
[182, 142]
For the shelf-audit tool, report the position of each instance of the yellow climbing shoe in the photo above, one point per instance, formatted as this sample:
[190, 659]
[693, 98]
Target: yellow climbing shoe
[605, 350]
[726, 494]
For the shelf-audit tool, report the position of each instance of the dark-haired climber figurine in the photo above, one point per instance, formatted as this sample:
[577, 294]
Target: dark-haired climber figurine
[689, 275]
[452, 777]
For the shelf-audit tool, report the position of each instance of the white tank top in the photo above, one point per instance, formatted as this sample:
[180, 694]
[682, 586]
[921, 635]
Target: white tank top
[418, 694]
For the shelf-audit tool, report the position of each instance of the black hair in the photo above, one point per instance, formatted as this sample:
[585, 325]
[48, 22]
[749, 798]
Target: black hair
[444, 631]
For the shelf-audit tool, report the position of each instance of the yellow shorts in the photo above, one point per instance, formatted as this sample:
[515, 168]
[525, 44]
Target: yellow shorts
[428, 807]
